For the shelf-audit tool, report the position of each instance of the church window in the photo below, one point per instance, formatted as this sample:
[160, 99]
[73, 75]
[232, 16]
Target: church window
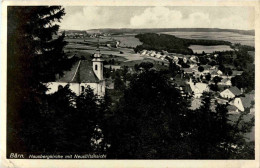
[95, 67]
[82, 88]
[60, 87]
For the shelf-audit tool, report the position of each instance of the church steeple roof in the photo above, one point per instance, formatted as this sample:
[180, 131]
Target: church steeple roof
[97, 55]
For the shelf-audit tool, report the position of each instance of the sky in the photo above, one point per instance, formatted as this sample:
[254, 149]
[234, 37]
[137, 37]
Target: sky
[96, 17]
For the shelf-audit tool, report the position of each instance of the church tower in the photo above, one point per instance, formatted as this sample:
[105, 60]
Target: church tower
[98, 64]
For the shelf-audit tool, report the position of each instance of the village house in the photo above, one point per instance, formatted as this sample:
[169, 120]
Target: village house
[82, 74]
[188, 70]
[230, 93]
[242, 103]
[225, 82]
[194, 59]
[235, 73]
[198, 88]
[143, 52]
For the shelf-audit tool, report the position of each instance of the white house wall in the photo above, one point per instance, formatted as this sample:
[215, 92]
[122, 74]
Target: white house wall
[238, 103]
[227, 94]
[98, 88]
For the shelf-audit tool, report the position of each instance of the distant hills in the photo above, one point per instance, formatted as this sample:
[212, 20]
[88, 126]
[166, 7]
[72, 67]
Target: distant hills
[157, 30]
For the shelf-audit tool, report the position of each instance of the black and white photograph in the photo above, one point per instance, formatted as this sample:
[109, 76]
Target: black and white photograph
[130, 82]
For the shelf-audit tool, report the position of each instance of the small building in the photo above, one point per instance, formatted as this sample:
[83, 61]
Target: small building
[230, 93]
[235, 73]
[219, 72]
[225, 82]
[143, 52]
[198, 88]
[245, 102]
[187, 70]
[242, 103]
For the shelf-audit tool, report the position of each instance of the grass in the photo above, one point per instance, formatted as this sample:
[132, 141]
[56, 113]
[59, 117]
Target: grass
[226, 36]
[209, 49]
[127, 41]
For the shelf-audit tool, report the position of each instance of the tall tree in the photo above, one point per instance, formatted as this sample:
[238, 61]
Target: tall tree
[33, 57]
[147, 119]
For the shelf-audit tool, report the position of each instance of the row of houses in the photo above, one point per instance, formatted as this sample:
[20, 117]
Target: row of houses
[164, 55]
[159, 55]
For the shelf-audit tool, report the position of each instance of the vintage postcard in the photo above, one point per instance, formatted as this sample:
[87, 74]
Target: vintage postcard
[130, 84]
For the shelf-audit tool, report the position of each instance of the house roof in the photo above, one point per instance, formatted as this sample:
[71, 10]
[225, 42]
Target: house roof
[187, 70]
[224, 80]
[81, 72]
[214, 72]
[235, 90]
[246, 102]
[201, 87]
[234, 73]
[187, 88]
[231, 108]
[250, 96]
[206, 67]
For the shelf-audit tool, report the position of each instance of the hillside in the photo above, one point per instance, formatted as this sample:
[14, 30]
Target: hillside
[158, 42]
[137, 31]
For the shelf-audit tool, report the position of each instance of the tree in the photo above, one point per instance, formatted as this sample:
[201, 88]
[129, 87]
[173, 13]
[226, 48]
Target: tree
[173, 68]
[59, 112]
[213, 135]
[145, 124]
[136, 67]
[208, 77]
[85, 120]
[222, 68]
[200, 68]
[119, 84]
[185, 65]
[229, 71]
[33, 57]
[217, 79]
[124, 73]
[146, 65]
[246, 80]
[203, 60]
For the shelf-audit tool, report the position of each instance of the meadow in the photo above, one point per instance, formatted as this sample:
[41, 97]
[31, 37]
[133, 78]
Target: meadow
[127, 41]
[209, 49]
[226, 36]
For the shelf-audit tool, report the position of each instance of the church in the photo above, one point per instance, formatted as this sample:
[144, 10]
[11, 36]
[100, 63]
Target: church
[82, 74]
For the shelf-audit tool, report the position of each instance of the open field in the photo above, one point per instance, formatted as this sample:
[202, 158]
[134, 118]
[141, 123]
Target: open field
[209, 49]
[226, 36]
[126, 53]
[127, 41]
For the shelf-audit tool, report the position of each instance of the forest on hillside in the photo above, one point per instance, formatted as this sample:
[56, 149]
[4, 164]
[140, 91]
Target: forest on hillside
[170, 43]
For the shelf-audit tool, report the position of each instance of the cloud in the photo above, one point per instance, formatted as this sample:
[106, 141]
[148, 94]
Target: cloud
[163, 17]
[91, 17]
[234, 22]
